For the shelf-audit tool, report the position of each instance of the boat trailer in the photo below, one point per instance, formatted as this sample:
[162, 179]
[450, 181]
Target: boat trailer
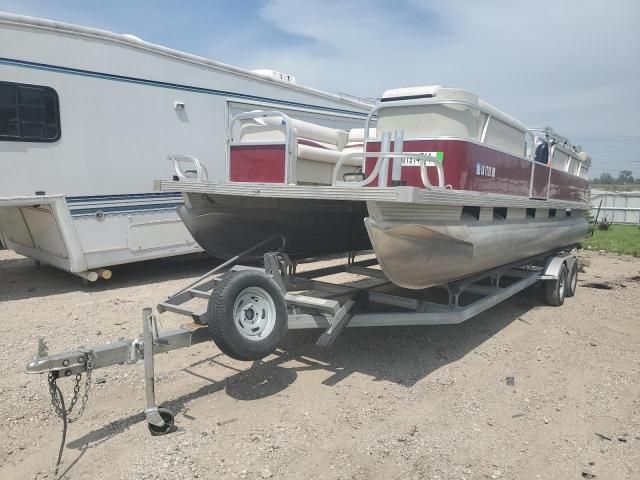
[333, 307]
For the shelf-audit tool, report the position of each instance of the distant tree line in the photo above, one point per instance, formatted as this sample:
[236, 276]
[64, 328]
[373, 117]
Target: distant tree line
[625, 177]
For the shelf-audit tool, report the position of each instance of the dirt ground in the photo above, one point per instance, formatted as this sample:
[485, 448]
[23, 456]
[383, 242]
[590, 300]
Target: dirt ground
[401, 403]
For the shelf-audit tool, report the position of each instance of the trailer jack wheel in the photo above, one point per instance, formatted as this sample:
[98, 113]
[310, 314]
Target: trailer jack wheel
[166, 427]
[247, 315]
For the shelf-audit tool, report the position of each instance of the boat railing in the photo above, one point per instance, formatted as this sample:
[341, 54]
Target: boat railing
[197, 172]
[424, 159]
[289, 139]
[381, 166]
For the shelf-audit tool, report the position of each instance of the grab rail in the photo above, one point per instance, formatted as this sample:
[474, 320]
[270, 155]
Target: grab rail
[289, 132]
[423, 158]
[200, 171]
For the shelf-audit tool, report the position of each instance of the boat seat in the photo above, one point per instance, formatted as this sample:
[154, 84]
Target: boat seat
[256, 131]
[356, 135]
[332, 137]
[320, 154]
[319, 148]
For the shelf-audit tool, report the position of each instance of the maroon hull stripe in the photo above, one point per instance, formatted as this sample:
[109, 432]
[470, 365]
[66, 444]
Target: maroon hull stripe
[564, 186]
[470, 166]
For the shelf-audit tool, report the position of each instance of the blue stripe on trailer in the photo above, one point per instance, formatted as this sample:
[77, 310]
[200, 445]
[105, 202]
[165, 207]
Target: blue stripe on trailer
[175, 86]
[124, 208]
[127, 196]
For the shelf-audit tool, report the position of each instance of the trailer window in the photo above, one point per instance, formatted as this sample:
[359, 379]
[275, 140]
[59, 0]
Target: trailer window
[28, 113]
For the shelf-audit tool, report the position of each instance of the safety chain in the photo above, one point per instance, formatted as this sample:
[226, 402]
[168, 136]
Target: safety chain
[55, 398]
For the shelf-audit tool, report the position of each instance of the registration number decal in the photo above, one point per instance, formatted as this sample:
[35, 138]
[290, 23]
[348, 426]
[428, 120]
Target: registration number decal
[415, 162]
[485, 170]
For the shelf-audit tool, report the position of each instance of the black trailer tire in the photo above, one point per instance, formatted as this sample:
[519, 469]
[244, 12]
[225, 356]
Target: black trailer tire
[556, 290]
[572, 279]
[168, 425]
[247, 315]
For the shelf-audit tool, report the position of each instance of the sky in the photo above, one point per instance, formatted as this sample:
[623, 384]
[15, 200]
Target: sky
[570, 64]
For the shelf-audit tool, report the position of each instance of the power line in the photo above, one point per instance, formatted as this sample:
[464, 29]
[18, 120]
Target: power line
[612, 171]
[620, 161]
[620, 138]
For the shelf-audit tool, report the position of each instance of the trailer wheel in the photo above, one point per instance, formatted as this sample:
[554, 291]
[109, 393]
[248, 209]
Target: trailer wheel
[167, 416]
[555, 290]
[247, 315]
[572, 279]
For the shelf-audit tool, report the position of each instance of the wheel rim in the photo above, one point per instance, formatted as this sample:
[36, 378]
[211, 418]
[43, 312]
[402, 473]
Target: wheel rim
[254, 313]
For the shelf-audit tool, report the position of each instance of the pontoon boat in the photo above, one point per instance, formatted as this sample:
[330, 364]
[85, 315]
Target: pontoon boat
[445, 186]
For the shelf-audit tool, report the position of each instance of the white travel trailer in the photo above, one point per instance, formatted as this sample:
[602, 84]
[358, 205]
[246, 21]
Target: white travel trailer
[87, 121]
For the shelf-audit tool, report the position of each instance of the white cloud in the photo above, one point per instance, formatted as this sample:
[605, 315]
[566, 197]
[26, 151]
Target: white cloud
[572, 64]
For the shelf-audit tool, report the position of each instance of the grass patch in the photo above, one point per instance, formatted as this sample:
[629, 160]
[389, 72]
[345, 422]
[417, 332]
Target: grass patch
[623, 239]
[634, 187]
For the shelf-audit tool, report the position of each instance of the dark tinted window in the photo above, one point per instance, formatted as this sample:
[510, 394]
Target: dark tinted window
[28, 113]
[8, 111]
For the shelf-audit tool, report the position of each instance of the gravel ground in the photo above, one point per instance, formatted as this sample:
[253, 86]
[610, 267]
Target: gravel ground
[523, 391]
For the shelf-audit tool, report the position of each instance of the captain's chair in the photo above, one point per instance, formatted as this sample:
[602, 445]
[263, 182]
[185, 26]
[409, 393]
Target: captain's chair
[542, 152]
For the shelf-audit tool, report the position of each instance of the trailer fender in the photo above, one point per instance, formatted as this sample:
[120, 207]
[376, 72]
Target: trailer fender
[554, 266]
